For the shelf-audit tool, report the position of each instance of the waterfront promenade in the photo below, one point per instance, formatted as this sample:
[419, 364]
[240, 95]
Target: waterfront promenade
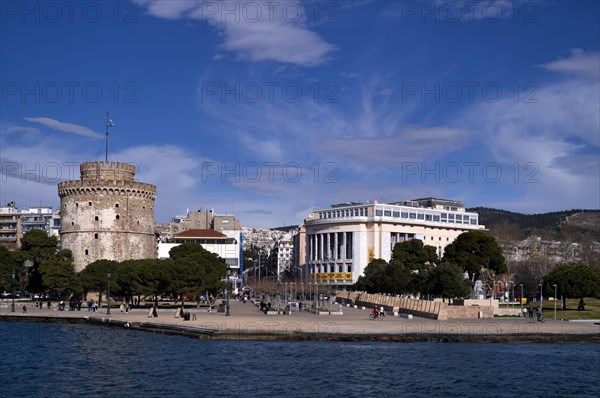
[247, 322]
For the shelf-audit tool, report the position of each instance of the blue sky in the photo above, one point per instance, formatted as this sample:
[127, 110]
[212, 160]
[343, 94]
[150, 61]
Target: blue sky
[272, 109]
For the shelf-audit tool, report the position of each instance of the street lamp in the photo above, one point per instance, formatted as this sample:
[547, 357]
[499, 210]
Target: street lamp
[108, 275]
[14, 276]
[554, 301]
[227, 293]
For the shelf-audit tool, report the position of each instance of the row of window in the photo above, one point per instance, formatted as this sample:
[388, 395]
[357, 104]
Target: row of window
[407, 215]
[442, 217]
[90, 204]
[356, 212]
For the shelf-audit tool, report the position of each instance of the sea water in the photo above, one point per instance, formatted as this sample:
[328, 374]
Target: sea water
[58, 360]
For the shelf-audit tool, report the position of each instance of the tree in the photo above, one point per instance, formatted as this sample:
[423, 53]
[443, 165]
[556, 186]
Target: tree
[94, 277]
[414, 255]
[38, 247]
[475, 250]
[574, 281]
[374, 277]
[9, 262]
[448, 281]
[196, 270]
[58, 274]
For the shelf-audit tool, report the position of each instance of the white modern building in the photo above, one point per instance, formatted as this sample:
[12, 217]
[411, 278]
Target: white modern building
[226, 243]
[343, 239]
[43, 218]
[283, 257]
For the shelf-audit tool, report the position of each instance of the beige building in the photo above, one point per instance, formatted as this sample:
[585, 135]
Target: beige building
[343, 239]
[107, 214]
[10, 226]
[203, 219]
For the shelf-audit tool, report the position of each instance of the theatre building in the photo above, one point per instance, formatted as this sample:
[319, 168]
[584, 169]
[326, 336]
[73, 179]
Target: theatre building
[343, 239]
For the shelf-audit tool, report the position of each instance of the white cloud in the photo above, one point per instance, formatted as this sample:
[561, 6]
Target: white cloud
[579, 63]
[255, 31]
[550, 139]
[413, 144]
[66, 127]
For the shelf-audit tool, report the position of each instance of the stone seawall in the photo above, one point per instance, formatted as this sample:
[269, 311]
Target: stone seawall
[422, 308]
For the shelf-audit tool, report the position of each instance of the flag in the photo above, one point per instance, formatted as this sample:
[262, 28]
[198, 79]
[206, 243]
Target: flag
[109, 122]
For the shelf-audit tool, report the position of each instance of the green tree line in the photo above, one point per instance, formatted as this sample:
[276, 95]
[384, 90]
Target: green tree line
[41, 268]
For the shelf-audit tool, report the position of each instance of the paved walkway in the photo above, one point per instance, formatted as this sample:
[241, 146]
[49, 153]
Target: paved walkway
[246, 320]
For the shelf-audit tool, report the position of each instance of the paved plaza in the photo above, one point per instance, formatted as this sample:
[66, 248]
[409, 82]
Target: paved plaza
[246, 321]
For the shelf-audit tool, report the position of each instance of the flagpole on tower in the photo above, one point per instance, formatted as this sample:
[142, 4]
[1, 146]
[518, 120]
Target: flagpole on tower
[109, 123]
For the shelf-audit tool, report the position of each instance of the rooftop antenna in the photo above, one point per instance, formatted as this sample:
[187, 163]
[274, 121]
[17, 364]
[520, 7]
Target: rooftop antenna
[109, 123]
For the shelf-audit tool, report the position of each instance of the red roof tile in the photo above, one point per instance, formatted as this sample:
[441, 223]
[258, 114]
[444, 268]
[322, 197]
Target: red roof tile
[201, 233]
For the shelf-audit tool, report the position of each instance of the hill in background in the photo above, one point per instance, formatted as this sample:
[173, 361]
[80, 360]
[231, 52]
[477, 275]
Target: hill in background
[570, 225]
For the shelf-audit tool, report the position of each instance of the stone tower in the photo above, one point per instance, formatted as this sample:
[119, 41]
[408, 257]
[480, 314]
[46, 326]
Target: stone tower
[107, 215]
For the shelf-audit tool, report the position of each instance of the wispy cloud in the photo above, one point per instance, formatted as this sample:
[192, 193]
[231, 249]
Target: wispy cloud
[579, 63]
[408, 145]
[66, 127]
[263, 31]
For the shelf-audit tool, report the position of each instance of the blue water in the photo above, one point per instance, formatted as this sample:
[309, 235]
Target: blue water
[43, 360]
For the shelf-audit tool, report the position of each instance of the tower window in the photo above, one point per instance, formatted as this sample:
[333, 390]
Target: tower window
[76, 204]
[116, 205]
[117, 217]
[144, 207]
[96, 218]
[95, 236]
[86, 252]
[72, 223]
[89, 203]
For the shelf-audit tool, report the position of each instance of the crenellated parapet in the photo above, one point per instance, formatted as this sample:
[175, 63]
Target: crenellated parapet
[108, 187]
[94, 171]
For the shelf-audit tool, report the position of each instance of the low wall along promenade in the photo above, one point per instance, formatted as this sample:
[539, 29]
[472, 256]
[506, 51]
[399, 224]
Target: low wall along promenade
[435, 309]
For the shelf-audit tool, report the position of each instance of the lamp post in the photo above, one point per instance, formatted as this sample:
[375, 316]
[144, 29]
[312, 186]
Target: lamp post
[541, 296]
[227, 293]
[14, 276]
[108, 275]
[521, 296]
[554, 302]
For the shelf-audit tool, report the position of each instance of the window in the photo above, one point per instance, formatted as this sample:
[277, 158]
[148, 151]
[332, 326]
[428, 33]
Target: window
[89, 203]
[95, 236]
[72, 223]
[387, 213]
[116, 205]
[413, 216]
[86, 252]
[396, 214]
[378, 212]
[404, 214]
[436, 217]
[117, 217]
[459, 217]
[451, 217]
[420, 216]
[96, 218]
[427, 217]
[76, 204]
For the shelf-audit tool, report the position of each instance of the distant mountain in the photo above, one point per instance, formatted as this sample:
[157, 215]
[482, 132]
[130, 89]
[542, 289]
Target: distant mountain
[575, 225]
